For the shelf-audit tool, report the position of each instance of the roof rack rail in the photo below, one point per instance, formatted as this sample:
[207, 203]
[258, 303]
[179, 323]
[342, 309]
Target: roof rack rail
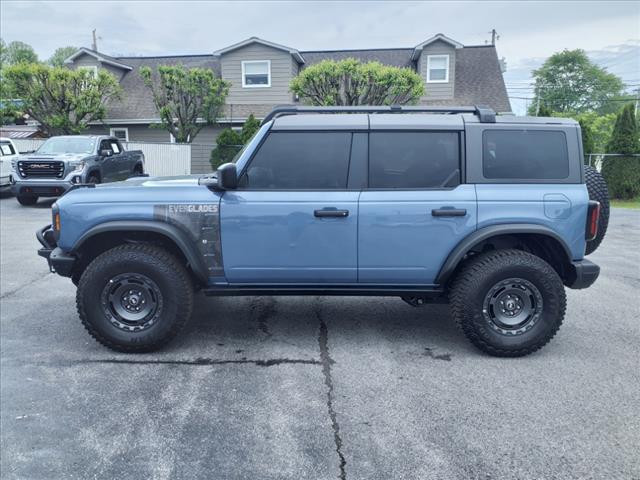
[485, 114]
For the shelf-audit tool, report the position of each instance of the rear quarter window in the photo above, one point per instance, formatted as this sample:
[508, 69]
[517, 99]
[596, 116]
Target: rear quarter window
[524, 154]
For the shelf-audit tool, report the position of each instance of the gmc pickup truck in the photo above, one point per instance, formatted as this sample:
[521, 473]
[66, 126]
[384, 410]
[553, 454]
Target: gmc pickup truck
[64, 161]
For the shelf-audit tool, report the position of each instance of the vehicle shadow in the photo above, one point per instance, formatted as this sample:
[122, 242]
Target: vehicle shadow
[44, 203]
[252, 323]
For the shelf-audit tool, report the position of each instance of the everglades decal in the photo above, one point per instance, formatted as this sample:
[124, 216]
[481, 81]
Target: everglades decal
[202, 222]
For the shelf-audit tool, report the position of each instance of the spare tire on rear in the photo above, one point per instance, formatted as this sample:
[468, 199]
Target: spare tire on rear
[598, 191]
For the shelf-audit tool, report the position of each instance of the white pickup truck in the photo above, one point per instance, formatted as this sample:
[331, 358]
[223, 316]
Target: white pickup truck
[8, 152]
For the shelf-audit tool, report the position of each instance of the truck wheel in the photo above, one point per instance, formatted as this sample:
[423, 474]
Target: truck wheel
[508, 303]
[93, 178]
[598, 191]
[134, 298]
[27, 200]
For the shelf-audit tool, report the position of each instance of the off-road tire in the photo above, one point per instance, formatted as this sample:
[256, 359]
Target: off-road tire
[475, 281]
[158, 265]
[598, 191]
[27, 200]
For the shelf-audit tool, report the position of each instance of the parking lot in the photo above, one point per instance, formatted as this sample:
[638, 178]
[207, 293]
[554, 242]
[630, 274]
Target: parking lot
[322, 387]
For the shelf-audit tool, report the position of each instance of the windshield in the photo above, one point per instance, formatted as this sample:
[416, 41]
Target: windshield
[68, 145]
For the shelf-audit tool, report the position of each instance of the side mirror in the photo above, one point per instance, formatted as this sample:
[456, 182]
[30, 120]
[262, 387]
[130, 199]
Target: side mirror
[227, 176]
[105, 153]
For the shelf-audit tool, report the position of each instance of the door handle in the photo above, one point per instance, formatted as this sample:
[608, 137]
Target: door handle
[330, 212]
[449, 212]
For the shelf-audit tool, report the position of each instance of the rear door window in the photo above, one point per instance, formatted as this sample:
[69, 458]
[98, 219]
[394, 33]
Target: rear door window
[300, 161]
[414, 160]
[524, 154]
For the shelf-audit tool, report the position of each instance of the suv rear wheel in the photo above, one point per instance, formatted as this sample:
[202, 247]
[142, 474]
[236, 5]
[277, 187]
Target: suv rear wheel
[508, 303]
[134, 298]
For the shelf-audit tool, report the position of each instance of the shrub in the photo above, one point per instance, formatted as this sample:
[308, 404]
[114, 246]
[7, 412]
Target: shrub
[230, 142]
[622, 174]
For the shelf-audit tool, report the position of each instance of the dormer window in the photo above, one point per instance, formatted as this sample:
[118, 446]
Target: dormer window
[256, 74]
[437, 68]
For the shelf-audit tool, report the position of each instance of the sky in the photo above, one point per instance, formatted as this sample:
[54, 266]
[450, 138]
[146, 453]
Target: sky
[529, 31]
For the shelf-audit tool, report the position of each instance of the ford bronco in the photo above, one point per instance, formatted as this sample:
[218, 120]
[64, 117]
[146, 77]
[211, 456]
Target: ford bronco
[64, 161]
[491, 214]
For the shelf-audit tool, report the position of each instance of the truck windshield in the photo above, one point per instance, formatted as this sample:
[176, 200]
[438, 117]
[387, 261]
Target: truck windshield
[68, 145]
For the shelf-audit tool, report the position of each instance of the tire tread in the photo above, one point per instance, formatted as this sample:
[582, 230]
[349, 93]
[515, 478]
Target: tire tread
[469, 279]
[165, 261]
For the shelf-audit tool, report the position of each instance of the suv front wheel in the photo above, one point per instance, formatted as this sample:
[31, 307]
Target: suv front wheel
[134, 298]
[508, 303]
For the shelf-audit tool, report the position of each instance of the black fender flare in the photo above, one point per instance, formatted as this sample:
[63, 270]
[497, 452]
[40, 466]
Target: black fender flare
[179, 237]
[458, 253]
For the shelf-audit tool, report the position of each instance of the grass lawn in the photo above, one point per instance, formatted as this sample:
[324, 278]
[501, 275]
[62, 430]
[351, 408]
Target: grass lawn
[633, 203]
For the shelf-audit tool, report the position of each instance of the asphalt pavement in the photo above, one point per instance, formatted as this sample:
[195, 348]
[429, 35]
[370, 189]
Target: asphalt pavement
[316, 387]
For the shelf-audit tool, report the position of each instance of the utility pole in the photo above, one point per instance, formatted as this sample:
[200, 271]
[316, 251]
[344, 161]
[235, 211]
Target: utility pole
[94, 45]
[494, 36]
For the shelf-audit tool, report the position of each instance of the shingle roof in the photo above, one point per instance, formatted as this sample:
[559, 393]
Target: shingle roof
[395, 57]
[478, 78]
[137, 102]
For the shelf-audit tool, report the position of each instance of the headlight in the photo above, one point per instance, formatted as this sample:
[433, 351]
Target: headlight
[14, 163]
[77, 165]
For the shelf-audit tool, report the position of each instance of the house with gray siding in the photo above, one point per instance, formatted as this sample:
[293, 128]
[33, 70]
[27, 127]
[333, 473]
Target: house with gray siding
[260, 72]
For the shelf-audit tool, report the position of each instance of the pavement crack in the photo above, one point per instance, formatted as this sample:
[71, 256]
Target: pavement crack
[264, 309]
[442, 356]
[327, 361]
[198, 361]
[24, 285]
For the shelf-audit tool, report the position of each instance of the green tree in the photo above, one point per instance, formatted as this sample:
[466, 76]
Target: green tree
[18, 52]
[230, 141]
[60, 55]
[250, 127]
[544, 111]
[186, 99]
[569, 82]
[351, 82]
[623, 173]
[3, 53]
[588, 144]
[64, 101]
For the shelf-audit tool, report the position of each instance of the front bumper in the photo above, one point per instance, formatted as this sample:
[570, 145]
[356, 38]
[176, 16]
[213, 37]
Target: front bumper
[59, 261]
[583, 274]
[52, 188]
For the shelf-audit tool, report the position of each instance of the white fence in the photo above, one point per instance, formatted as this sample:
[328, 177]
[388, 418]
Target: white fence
[161, 159]
[164, 159]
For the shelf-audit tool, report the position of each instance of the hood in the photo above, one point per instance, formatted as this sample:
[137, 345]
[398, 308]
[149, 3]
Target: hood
[55, 157]
[141, 190]
[151, 182]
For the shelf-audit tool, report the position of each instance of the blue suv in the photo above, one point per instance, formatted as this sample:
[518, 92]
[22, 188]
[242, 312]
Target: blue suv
[491, 214]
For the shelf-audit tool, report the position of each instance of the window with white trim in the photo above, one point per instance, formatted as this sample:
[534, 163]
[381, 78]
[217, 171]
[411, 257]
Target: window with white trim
[256, 74]
[437, 68]
[91, 68]
[121, 134]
